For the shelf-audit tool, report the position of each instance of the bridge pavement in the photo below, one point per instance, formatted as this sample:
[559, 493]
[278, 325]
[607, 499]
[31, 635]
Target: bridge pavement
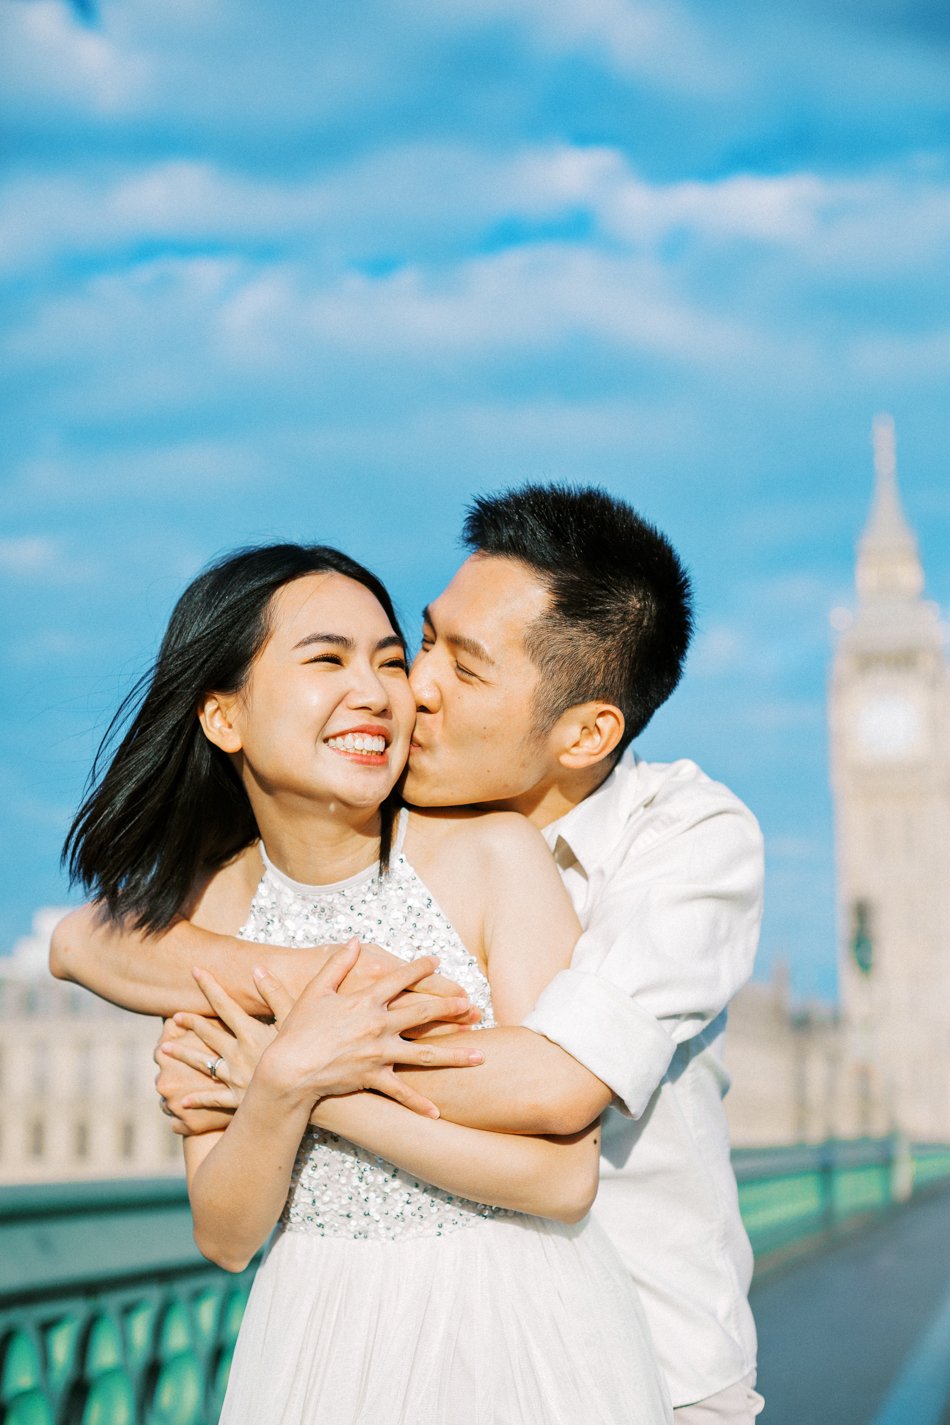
[859, 1333]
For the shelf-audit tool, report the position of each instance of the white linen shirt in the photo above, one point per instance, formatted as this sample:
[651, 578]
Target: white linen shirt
[664, 867]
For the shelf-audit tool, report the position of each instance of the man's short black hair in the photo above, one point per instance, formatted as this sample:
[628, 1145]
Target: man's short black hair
[620, 616]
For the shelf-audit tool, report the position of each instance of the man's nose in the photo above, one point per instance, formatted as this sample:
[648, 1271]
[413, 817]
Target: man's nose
[425, 688]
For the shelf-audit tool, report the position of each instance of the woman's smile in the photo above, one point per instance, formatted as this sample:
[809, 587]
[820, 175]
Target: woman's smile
[367, 744]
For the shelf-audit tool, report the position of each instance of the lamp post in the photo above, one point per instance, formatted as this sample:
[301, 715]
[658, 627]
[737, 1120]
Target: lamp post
[862, 953]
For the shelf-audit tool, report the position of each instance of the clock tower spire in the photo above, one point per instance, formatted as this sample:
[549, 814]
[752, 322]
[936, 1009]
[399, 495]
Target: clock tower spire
[890, 772]
[888, 562]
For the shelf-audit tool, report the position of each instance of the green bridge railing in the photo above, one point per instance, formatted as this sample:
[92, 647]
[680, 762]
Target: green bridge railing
[109, 1316]
[790, 1196]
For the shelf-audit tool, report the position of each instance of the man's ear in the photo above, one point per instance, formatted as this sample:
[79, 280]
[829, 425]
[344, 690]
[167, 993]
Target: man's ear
[588, 734]
[216, 715]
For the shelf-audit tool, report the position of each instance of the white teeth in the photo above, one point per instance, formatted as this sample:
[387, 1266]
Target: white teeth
[358, 742]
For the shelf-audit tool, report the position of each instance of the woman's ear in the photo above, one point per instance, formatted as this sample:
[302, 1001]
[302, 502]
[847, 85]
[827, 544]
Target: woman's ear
[216, 713]
[588, 734]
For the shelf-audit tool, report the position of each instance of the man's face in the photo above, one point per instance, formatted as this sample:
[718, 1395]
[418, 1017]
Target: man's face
[475, 741]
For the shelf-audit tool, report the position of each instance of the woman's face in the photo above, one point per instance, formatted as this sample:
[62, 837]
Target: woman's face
[326, 713]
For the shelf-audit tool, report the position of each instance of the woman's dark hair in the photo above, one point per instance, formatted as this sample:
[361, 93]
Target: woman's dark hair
[170, 806]
[619, 620]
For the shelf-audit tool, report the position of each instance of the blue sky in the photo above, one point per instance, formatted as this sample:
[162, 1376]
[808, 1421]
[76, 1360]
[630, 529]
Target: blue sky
[322, 271]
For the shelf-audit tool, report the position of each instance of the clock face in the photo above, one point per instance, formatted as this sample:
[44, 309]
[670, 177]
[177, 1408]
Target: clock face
[890, 726]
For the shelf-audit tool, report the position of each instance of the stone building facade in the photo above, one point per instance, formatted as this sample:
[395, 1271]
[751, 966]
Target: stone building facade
[77, 1099]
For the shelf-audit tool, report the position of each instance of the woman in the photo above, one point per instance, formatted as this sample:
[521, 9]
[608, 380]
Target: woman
[406, 1282]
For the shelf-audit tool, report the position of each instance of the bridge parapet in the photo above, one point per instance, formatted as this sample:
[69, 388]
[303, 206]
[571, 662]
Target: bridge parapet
[791, 1195]
[109, 1315]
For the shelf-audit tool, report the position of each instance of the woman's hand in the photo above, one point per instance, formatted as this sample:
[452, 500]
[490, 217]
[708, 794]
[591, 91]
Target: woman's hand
[333, 1044]
[325, 1043]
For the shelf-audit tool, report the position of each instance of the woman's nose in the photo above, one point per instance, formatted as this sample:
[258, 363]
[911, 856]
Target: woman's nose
[369, 692]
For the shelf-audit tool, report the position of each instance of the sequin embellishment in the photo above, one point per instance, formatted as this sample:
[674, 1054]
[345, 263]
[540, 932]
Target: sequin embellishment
[338, 1189]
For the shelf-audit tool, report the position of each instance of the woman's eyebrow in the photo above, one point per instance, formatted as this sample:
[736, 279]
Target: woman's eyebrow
[341, 640]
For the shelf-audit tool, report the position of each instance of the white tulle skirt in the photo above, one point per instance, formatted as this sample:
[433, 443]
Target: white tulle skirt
[512, 1321]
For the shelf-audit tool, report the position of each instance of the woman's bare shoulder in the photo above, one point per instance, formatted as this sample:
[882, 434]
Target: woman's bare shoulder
[223, 897]
[483, 836]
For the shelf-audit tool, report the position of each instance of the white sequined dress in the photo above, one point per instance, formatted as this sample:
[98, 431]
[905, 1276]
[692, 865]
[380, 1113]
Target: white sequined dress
[384, 1301]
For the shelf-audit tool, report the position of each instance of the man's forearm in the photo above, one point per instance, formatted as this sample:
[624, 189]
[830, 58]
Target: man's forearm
[526, 1085]
[152, 974]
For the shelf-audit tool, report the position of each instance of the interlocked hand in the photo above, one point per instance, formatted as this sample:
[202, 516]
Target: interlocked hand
[325, 1042]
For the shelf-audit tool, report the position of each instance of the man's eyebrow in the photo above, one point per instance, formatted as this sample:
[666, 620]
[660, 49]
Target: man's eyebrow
[341, 640]
[461, 640]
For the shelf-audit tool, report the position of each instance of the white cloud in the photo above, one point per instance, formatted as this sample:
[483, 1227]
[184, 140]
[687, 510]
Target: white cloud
[719, 649]
[782, 715]
[63, 61]
[29, 557]
[28, 958]
[633, 38]
[781, 209]
[433, 204]
[529, 297]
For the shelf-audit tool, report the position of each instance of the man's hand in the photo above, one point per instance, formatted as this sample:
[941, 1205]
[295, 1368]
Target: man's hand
[222, 1051]
[177, 1079]
[374, 963]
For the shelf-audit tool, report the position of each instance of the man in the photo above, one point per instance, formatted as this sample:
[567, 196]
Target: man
[545, 656]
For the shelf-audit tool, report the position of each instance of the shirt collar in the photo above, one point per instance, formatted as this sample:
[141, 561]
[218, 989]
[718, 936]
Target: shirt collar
[589, 832]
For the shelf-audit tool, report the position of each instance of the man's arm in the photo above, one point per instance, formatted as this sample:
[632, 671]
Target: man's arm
[153, 974]
[527, 1084]
[669, 941]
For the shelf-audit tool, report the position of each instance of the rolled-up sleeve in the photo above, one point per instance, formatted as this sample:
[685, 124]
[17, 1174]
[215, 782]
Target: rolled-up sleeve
[669, 938]
[596, 1022]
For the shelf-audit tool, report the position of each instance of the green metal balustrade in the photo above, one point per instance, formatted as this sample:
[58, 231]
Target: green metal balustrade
[789, 1195]
[109, 1316]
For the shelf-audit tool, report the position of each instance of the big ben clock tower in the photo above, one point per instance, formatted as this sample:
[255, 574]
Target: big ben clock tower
[890, 764]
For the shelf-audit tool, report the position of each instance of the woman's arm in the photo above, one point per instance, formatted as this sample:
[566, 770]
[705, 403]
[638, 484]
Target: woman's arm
[238, 1180]
[548, 1177]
